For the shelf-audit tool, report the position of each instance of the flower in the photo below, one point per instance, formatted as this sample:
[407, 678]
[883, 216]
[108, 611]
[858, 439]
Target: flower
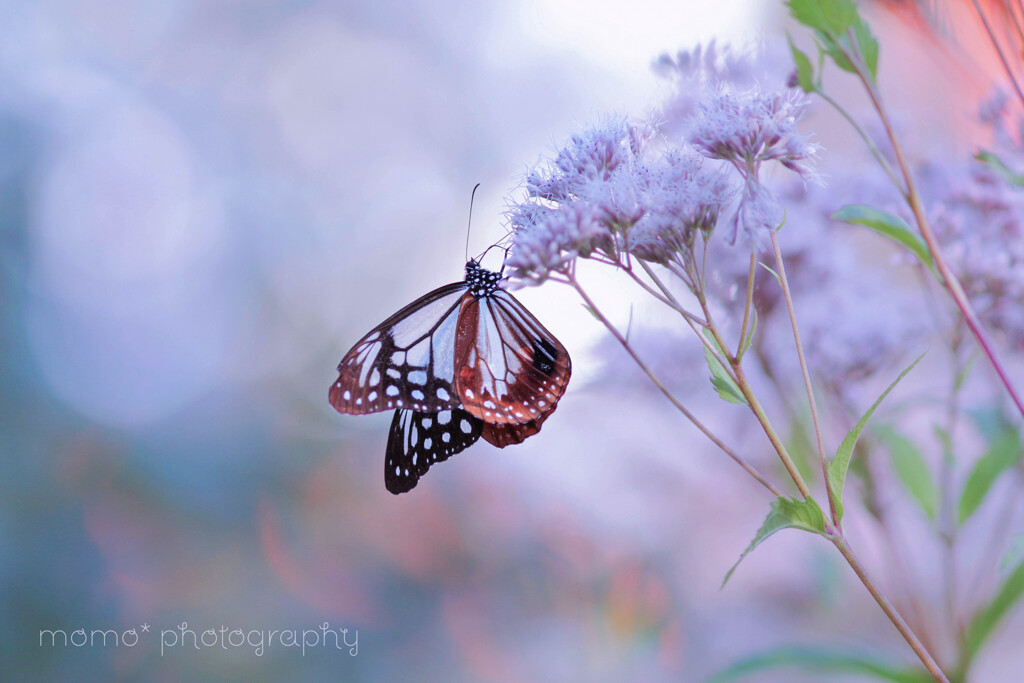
[749, 128]
[610, 189]
[553, 238]
[979, 221]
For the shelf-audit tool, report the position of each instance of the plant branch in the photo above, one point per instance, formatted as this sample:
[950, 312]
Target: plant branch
[894, 616]
[747, 304]
[668, 394]
[755, 405]
[784, 281]
[872, 147]
[914, 200]
[999, 51]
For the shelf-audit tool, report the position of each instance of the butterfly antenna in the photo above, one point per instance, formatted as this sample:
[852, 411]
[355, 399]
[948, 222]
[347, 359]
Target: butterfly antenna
[470, 221]
[505, 258]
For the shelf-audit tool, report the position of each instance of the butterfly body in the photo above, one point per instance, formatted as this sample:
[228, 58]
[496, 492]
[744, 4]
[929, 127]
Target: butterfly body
[464, 361]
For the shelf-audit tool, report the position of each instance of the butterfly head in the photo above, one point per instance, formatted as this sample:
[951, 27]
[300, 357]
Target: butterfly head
[482, 282]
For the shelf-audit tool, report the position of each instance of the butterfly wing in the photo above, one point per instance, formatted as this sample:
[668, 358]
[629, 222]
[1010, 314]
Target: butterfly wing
[502, 435]
[509, 368]
[417, 440]
[406, 361]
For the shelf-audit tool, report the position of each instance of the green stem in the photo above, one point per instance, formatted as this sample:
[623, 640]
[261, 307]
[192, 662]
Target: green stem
[897, 620]
[747, 305]
[872, 147]
[784, 281]
[914, 199]
[755, 405]
[668, 394]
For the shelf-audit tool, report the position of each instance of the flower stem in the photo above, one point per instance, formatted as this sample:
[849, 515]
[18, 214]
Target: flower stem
[751, 470]
[784, 281]
[999, 50]
[897, 620]
[747, 305]
[913, 198]
[748, 393]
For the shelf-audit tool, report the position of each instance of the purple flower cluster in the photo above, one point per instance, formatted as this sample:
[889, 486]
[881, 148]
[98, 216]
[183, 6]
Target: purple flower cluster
[615, 189]
[979, 220]
[651, 191]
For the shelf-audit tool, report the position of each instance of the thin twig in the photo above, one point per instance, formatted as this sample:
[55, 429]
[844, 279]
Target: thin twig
[748, 393]
[784, 281]
[747, 304]
[668, 394]
[999, 51]
[914, 199]
[947, 529]
[872, 147]
[894, 616]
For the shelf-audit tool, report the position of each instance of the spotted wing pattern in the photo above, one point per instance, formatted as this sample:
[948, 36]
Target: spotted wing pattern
[509, 368]
[418, 440]
[405, 362]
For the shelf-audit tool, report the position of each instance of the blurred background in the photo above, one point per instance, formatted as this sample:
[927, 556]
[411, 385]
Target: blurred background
[202, 206]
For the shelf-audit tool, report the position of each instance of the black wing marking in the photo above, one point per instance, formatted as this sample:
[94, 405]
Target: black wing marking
[406, 362]
[417, 440]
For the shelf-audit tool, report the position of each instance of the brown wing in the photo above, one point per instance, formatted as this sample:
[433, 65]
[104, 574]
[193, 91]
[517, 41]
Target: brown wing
[509, 368]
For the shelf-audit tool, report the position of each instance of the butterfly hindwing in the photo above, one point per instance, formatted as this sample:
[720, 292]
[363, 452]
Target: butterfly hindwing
[510, 369]
[501, 435]
[405, 362]
[417, 440]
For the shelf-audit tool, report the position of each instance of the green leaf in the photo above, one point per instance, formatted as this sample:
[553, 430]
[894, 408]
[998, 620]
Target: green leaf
[986, 620]
[837, 48]
[911, 469]
[804, 68]
[832, 661]
[885, 223]
[841, 461]
[1000, 167]
[721, 380]
[831, 17]
[786, 513]
[989, 421]
[832, 22]
[867, 46]
[776, 275]
[1003, 452]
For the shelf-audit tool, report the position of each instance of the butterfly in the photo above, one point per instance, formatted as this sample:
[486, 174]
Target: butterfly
[462, 362]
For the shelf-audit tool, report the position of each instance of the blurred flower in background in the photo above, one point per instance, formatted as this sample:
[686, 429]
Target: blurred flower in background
[201, 206]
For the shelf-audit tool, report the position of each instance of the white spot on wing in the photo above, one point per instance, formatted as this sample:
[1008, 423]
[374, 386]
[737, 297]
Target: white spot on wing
[392, 390]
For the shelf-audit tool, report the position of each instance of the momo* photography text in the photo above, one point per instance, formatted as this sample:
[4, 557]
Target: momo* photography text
[184, 638]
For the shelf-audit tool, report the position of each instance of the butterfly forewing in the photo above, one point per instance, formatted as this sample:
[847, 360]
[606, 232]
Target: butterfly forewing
[405, 362]
[418, 440]
[509, 368]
